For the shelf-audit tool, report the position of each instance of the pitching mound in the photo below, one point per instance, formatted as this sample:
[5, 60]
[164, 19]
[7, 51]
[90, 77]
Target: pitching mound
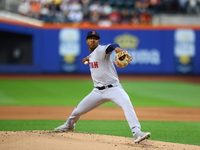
[48, 140]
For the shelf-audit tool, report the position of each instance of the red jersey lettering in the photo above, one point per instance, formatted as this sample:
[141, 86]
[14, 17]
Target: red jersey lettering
[94, 65]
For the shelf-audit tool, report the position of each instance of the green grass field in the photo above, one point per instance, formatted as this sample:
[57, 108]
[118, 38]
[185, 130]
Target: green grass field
[69, 93]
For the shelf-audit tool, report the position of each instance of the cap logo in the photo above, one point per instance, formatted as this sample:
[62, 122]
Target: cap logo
[93, 32]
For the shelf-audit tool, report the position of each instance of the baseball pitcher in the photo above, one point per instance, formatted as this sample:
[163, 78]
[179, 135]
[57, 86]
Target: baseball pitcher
[106, 86]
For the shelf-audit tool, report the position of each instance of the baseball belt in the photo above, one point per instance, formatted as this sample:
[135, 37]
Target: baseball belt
[104, 87]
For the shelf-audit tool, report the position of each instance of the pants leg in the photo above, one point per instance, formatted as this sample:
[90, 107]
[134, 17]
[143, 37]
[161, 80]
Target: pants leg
[121, 98]
[91, 101]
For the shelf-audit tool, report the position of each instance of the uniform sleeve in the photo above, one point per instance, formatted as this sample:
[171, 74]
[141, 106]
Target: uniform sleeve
[111, 47]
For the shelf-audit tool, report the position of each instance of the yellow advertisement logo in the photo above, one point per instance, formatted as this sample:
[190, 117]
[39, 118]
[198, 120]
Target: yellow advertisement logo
[69, 58]
[184, 59]
[127, 41]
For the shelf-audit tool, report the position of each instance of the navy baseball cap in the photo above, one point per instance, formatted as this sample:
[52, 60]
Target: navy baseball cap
[93, 33]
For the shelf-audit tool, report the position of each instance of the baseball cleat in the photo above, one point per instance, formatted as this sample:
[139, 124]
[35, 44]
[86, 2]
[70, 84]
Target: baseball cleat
[140, 136]
[63, 128]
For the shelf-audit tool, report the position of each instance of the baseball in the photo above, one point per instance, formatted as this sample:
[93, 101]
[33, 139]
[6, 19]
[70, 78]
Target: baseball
[86, 62]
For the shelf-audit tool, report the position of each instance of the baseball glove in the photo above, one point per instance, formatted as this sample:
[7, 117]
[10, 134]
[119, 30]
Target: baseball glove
[122, 59]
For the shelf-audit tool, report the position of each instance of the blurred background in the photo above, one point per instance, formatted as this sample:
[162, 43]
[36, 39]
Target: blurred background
[48, 36]
[42, 41]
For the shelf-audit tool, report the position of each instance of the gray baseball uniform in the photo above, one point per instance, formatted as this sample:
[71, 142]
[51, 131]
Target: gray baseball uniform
[106, 88]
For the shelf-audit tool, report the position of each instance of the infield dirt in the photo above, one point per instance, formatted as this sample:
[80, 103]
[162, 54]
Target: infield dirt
[46, 140]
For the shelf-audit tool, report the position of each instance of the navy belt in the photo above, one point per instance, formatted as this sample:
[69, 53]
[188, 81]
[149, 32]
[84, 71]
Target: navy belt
[104, 87]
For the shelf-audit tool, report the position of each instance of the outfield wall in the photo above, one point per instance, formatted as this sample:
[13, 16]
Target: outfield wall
[156, 50]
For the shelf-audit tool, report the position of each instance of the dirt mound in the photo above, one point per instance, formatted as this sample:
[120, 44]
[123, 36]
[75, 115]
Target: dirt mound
[48, 140]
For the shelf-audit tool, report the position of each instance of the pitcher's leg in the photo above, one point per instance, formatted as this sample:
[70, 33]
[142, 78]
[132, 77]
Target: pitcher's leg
[131, 116]
[121, 98]
[91, 101]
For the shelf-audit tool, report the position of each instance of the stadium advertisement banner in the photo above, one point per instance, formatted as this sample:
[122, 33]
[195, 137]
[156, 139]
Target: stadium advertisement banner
[60, 50]
[184, 50]
[69, 49]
